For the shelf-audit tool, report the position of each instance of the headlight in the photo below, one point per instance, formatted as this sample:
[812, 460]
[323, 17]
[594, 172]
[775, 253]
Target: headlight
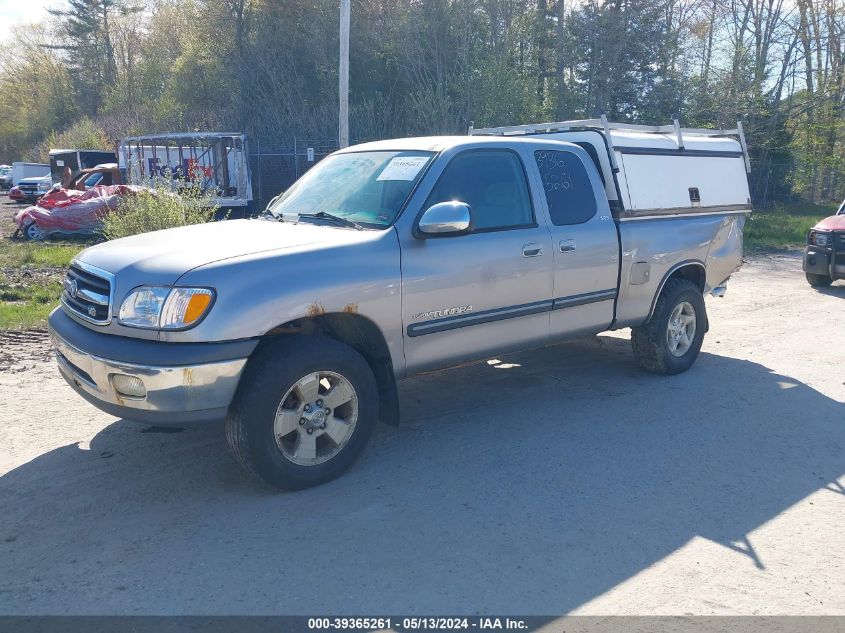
[819, 239]
[157, 307]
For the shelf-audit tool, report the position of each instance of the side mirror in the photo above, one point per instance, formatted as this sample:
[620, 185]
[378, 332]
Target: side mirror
[444, 219]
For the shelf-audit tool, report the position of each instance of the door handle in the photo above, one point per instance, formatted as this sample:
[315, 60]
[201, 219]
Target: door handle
[567, 246]
[532, 250]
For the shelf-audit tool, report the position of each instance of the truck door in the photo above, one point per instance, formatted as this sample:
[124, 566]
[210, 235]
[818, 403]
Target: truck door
[585, 243]
[487, 291]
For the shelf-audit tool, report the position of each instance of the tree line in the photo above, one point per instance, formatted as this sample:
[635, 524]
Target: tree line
[96, 70]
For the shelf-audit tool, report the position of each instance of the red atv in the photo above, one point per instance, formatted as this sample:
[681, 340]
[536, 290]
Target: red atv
[824, 259]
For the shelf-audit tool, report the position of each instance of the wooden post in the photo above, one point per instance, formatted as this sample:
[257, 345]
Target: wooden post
[343, 83]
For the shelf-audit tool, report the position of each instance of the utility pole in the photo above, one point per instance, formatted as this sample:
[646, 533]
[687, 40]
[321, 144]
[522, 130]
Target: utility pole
[343, 82]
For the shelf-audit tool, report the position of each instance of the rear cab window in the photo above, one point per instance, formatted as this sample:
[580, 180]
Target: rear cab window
[566, 184]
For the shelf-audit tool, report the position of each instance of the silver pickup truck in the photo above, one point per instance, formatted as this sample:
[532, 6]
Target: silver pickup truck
[396, 257]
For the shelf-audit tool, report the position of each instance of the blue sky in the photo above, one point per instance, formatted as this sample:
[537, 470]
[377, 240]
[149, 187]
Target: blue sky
[21, 12]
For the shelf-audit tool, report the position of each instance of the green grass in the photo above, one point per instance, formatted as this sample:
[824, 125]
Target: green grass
[783, 227]
[26, 306]
[37, 254]
[30, 281]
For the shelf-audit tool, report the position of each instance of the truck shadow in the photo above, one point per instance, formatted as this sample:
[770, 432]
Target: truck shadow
[527, 484]
[836, 290]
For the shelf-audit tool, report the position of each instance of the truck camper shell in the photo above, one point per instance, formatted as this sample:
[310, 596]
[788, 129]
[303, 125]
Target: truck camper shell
[653, 171]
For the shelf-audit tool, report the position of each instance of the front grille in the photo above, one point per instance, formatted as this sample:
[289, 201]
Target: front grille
[839, 240]
[87, 293]
[29, 190]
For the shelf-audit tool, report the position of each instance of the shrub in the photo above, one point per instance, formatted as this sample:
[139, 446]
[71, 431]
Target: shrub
[84, 134]
[159, 208]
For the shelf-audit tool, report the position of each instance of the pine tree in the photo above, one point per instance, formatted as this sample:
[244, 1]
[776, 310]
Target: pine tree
[87, 42]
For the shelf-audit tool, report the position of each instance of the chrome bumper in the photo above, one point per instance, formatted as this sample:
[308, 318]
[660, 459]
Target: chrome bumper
[173, 394]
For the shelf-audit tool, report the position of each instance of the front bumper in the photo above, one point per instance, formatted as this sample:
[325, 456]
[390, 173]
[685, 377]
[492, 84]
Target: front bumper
[185, 382]
[824, 261]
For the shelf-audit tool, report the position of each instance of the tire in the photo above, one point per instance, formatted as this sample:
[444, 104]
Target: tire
[267, 428]
[32, 232]
[652, 342]
[818, 281]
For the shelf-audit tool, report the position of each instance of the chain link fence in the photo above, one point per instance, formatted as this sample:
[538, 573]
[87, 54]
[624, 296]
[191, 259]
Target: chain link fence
[275, 167]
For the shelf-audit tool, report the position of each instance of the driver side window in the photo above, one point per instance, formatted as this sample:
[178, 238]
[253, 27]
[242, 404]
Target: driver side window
[492, 182]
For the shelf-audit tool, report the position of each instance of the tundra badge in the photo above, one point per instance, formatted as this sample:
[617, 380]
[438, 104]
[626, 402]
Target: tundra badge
[445, 312]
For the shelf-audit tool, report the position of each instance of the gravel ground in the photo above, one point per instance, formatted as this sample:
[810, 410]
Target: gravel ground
[8, 209]
[555, 481]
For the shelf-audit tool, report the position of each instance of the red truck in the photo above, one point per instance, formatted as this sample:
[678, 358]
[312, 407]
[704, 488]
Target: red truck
[824, 258]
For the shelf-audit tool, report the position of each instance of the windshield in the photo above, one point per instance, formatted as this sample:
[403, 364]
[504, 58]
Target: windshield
[93, 179]
[369, 188]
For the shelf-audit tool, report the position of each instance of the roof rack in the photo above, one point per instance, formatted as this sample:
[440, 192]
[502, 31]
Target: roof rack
[604, 125]
[183, 135]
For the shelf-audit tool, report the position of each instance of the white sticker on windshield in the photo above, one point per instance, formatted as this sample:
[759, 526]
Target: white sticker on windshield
[403, 168]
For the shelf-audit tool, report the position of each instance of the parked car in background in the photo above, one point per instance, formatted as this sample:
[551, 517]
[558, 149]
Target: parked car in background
[397, 257]
[34, 188]
[66, 163]
[28, 170]
[71, 211]
[104, 175]
[824, 257]
[5, 177]
[77, 209]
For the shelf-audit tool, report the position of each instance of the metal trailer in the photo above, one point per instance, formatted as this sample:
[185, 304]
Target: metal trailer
[217, 161]
[641, 170]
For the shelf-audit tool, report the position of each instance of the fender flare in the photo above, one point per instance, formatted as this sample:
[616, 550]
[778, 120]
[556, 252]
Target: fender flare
[669, 273]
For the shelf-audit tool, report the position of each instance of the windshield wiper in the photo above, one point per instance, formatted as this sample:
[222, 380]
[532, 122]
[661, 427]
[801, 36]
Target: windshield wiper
[322, 215]
[269, 215]
[268, 212]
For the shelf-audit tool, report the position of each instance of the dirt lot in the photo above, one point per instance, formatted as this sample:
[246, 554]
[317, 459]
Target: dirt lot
[559, 480]
[8, 210]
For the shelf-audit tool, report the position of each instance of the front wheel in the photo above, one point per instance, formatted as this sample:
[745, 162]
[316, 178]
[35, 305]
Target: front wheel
[303, 412]
[33, 232]
[818, 281]
[670, 341]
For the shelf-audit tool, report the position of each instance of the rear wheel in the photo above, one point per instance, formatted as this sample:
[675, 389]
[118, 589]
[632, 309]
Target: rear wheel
[303, 413]
[670, 341]
[818, 281]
